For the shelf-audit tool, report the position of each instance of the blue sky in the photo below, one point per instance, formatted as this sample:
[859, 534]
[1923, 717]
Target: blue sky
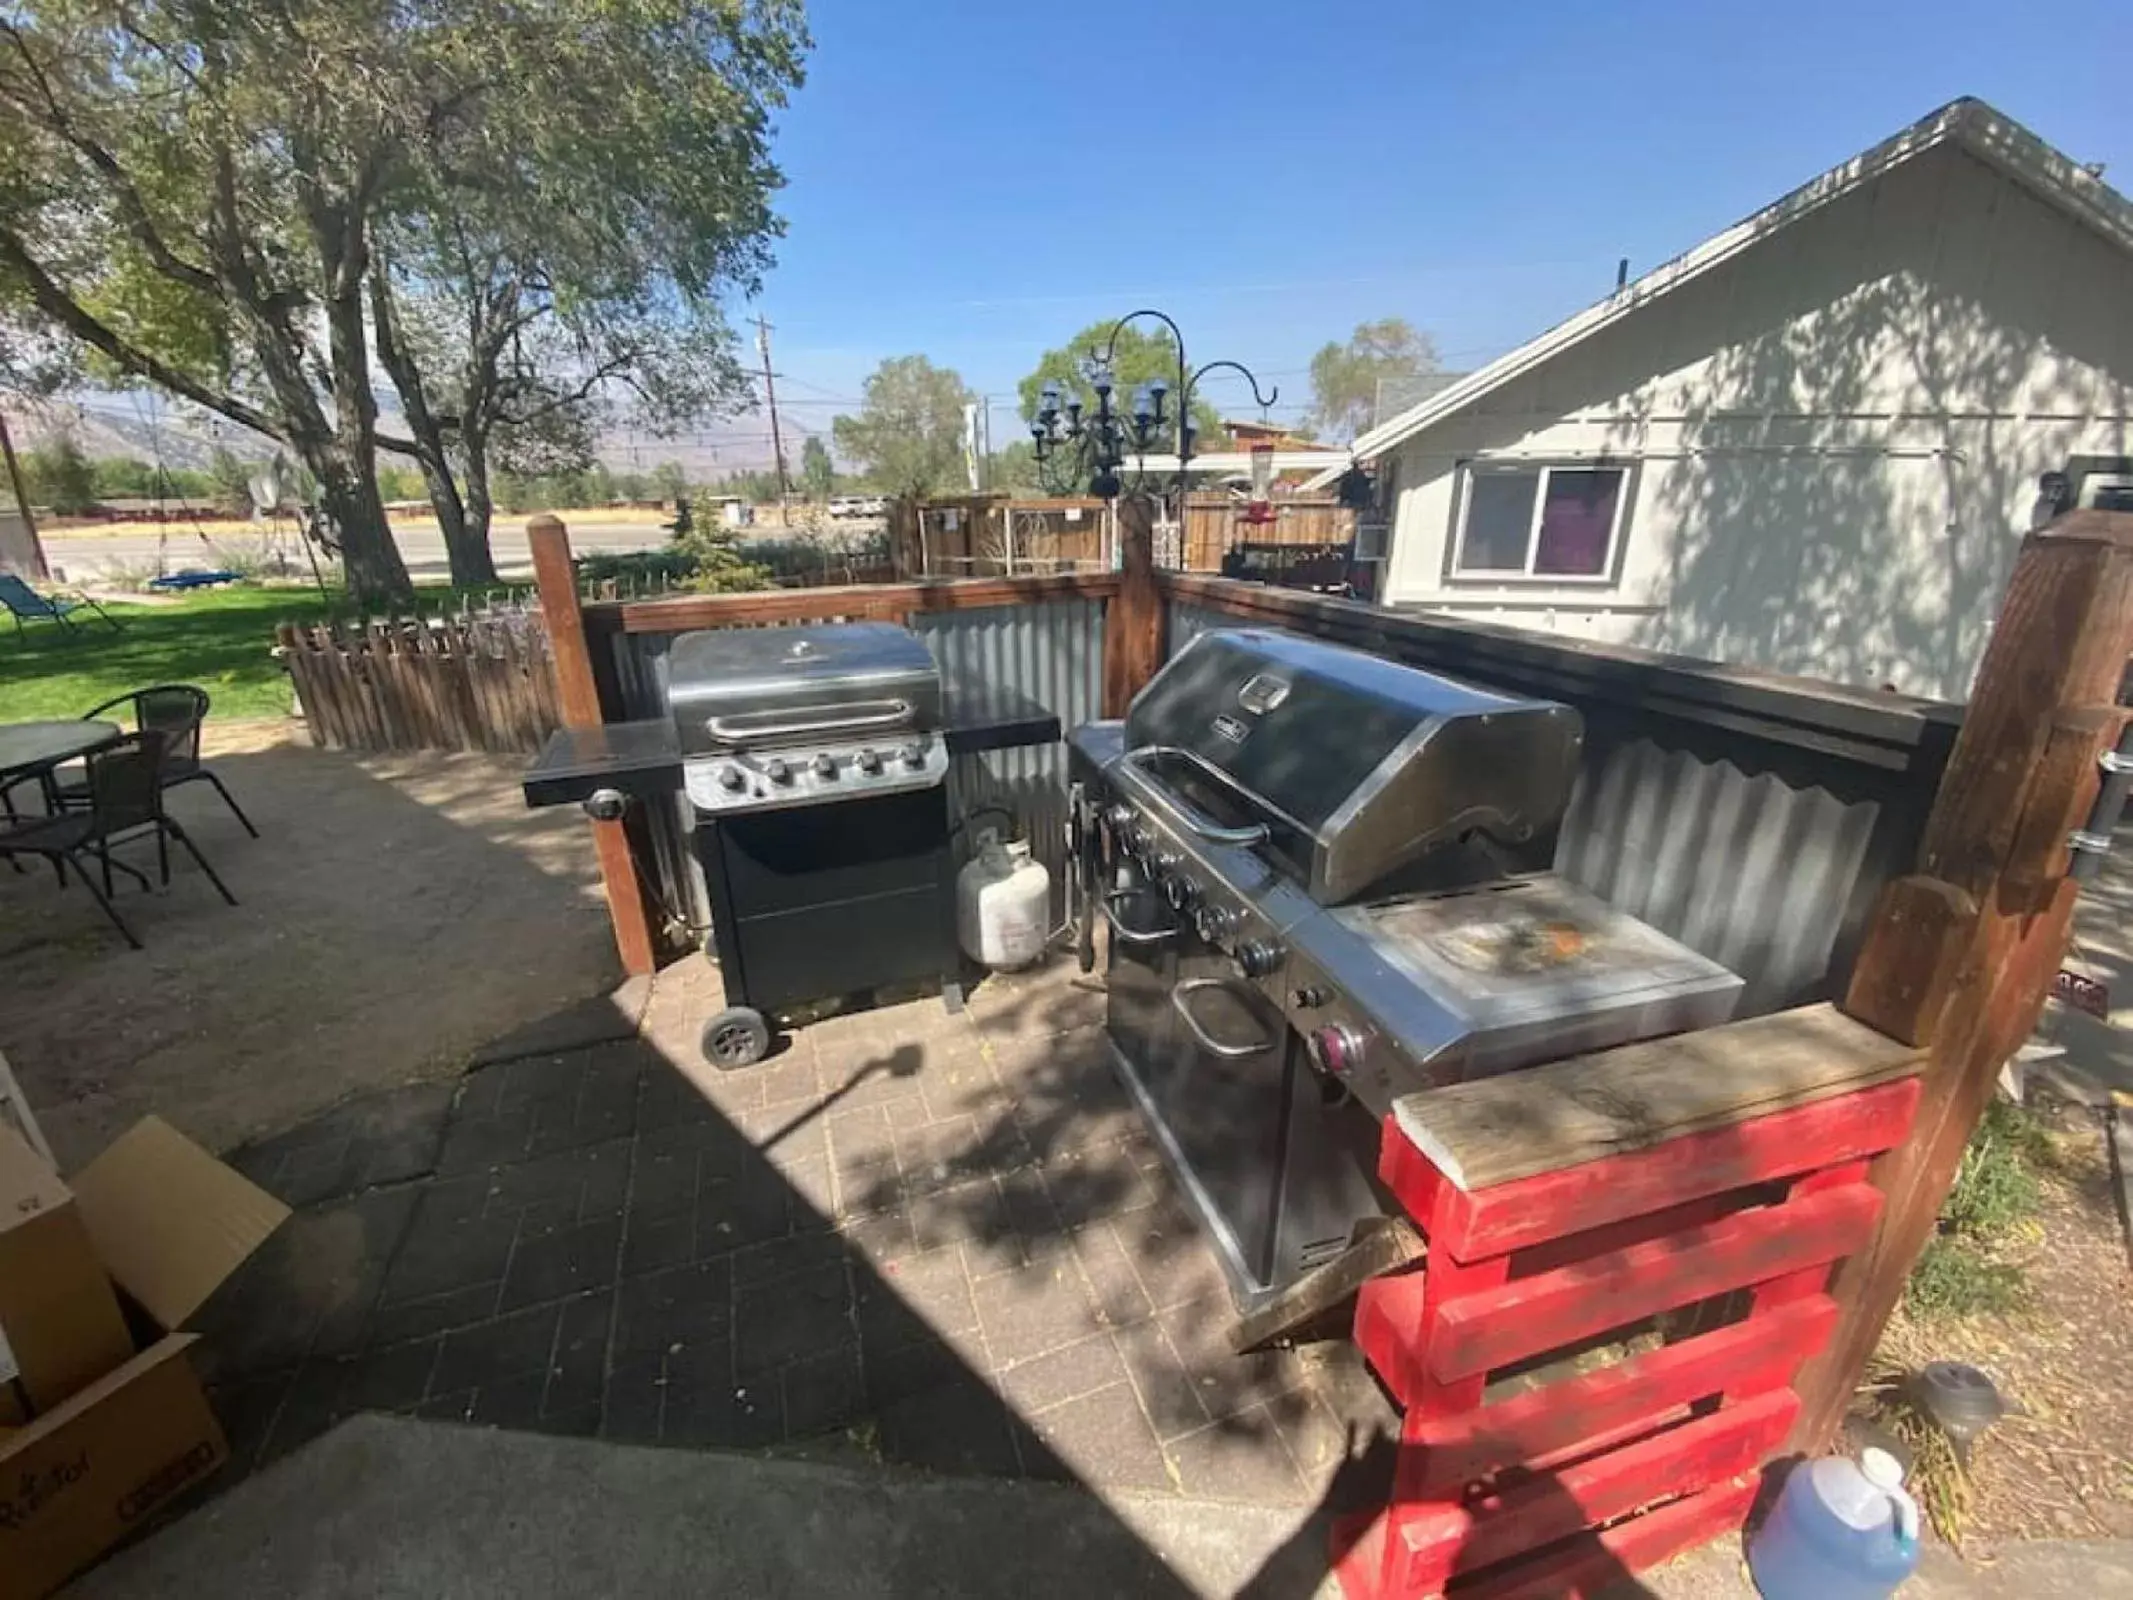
[976, 182]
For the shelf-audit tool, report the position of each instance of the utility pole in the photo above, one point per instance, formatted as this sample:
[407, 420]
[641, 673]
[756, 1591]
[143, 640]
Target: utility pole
[770, 393]
[24, 550]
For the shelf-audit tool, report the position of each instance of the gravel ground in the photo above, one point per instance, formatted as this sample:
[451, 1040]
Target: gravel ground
[397, 912]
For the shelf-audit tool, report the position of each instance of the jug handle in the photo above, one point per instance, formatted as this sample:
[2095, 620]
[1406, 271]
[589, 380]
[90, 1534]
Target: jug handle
[1906, 1520]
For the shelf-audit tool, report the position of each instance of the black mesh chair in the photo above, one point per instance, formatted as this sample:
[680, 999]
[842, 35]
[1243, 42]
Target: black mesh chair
[176, 711]
[124, 788]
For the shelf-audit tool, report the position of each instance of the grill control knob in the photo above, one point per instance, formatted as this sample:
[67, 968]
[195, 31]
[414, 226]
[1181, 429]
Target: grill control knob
[869, 761]
[1259, 958]
[777, 771]
[1337, 1049]
[825, 765]
[1118, 816]
[1181, 892]
[1215, 923]
[732, 778]
[1166, 861]
[911, 756]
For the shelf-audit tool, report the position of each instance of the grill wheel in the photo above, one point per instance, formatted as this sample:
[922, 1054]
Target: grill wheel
[736, 1037]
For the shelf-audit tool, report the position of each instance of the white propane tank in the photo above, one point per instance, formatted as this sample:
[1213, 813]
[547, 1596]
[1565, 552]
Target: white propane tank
[1003, 905]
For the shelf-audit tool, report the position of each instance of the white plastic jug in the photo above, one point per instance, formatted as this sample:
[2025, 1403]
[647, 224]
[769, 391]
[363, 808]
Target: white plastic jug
[1003, 905]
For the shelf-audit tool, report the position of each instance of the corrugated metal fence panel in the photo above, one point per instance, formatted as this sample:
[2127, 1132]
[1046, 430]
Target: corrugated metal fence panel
[1187, 622]
[1769, 867]
[1758, 874]
[1052, 652]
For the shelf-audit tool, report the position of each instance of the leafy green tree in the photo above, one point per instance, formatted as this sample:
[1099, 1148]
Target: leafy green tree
[400, 483]
[1015, 469]
[232, 480]
[125, 478]
[908, 436]
[1348, 380]
[1143, 353]
[670, 480]
[198, 191]
[818, 474]
[60, 476]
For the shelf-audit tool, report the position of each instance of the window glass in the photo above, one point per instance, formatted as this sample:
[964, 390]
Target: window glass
[1577, 517]
[1499, 520]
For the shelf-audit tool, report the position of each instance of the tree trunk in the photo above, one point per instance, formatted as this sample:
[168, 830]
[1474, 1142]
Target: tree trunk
[480, 503]
[466, 540]
[375, 570]
[348, 494]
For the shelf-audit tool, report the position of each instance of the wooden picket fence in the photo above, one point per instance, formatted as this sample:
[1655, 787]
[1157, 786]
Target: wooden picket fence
[482, 682]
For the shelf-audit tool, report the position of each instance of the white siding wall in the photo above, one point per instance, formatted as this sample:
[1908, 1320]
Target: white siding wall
[1836, 436]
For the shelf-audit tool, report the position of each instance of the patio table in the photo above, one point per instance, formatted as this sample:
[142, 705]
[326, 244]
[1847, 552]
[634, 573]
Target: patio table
[34, 749]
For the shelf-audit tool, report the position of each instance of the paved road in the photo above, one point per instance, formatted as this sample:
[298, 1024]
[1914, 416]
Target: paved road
[82, 556]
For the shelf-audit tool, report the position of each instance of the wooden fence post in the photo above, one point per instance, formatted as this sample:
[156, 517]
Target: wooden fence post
[1133, 621]
[1961, 955]
[579, 694]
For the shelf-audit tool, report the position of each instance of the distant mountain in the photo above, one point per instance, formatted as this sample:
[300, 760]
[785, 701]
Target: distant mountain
[143, 430]
[148, 429]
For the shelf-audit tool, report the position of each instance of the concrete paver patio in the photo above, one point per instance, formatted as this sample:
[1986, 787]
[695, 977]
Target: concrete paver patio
[914, 1238]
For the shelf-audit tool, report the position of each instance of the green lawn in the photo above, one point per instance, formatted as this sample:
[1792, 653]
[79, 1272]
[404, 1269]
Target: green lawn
[219, 639]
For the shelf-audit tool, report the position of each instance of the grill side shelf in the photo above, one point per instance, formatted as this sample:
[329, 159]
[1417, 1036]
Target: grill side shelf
[639, 758]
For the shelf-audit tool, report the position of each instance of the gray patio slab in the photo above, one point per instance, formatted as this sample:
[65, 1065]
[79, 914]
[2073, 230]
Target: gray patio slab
[386, 1507]
[930, 1240]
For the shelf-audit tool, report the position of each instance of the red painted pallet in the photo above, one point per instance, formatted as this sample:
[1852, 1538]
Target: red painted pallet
[1723, 1238]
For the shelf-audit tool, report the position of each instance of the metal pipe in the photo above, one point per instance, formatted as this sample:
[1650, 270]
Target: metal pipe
[2091, 842]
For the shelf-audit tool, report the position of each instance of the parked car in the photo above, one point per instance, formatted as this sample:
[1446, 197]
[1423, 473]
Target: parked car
[858, 505]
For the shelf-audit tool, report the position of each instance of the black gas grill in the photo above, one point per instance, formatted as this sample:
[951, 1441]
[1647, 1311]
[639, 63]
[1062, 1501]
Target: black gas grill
[815, 762]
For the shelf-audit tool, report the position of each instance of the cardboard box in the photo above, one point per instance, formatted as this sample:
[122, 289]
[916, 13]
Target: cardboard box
[169, 1223]
[87, 1473]
[60, 1326]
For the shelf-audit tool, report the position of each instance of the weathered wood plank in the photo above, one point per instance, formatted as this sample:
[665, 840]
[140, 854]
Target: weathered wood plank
[1445, 1540]
[882, 602]
[1571, 1201]
[1912, 958]
[628, 907]
[1477, 1333]
[2060, 646]
[1585, 1568]
[1442, 1454]
[1494, 1130]
[1380, 1245]
[1133, 621]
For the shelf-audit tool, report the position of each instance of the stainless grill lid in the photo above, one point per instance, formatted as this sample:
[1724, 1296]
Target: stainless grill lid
[1367, 762]
[757, 686]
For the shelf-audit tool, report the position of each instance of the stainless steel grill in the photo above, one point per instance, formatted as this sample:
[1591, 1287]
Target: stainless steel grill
[815, 762]
[1324, 876]
[772, 718]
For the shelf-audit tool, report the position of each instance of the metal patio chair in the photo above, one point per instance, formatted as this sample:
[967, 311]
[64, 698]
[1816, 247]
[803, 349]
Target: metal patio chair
[176, 711]
[25, 605]
[125, 790]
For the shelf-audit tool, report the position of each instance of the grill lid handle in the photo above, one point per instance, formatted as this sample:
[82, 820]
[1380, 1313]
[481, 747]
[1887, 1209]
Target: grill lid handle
[1182, 815]
[849, 718]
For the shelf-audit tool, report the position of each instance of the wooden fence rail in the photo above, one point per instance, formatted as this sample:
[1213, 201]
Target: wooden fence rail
[462, 683]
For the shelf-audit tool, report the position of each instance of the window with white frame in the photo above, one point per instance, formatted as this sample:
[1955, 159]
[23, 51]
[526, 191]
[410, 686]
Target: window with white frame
[1526, 521]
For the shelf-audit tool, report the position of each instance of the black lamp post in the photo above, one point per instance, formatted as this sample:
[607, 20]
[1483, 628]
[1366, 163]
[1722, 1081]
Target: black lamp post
[1094, 448]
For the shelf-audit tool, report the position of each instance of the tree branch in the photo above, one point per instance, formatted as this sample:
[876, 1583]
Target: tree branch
[599, 375]
[131, 206]
[56, 303]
